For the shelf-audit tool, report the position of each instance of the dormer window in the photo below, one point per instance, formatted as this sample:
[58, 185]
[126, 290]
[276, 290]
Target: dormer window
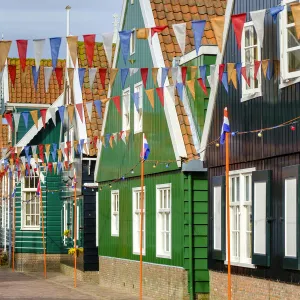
[132, 41]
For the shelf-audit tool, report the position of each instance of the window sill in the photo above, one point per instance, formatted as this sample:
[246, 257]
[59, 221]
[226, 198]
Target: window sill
[138, 253]
[288, 82]
[138, 131]
[115, 234]
[163, 256]
[248, 97]
[30, 229]
[239, 264]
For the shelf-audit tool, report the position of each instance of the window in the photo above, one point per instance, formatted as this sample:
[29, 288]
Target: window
[77, 223]
[97, 220]
[132, 1]
[240, 185]
[126, 110]
[138, 114]
[115, 213]
[251, 51]
[136, 217]
[290, 45]
[163, 220]
[65, 218]
[30, 203]
[132, 41]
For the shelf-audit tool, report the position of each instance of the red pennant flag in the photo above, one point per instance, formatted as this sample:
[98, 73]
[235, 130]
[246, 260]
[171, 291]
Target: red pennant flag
[89, 42]
[160, 93]
[28, 168]
[116, 101]
[202, 85]
[12, 73]
[66, 165]
[66, 150]
[221, 71]
[22, 50]
[43, 114]
[157, 29]
[50, 167]
[9, 120]
[59, 76]
[41, 152]
[79, 107]
[244, 73]
[183, 74]
[95, 140]
[238, 22]
[12, 152]
[102, 73]
[257, 64]
[144, 75]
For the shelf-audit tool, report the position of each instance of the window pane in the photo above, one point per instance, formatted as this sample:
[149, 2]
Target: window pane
[238, 189]
[290, 19]
[233, 189]
[167, 242]
[247, 37]
[292, 37]
[294, 60]
[247, 190]
[167, 222]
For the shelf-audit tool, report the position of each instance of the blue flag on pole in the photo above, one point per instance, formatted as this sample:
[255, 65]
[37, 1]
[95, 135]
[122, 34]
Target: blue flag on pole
[198, 29]
[225, 126]
[125, 43]
[55, 45]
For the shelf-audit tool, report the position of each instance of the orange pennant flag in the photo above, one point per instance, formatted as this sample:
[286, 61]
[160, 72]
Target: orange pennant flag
[71, 80]
[59, 154]
[113, 74]
[230, 68]
[47, 148]
[127, 135]
[142, 33]
[34, 115]
[4, 49]
[111, 141]
[72, 44]
[234, 78]
[217, 24]
[191, 85]
[296, 15]
[154, 75]
[276, 68]
[71, 109]
[194, 70]
[150, 95]
[54, 167]
[264, 65]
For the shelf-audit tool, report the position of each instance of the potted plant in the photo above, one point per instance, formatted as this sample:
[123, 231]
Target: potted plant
[67, 233]
[71, 251]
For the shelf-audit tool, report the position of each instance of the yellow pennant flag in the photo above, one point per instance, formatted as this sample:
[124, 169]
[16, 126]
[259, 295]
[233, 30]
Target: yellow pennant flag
[47, 148]
[85, 149]
[113, 74]
[4, 49]
[296, 15]
[154, 75]
[230, 68]
[264, 65]
[104, 100]
[19, 150]
[11, 161]
[102, 139]
[276, 68]
[217, 24]
[191, 85]
[36, 158]
[75, 146]
[111, 141]
[34, 115]
[59, 154]
[54, 167]
[71, 109]
[142, 33]
[72, 45]
[234, 78]
[194, 70]
[150, 95]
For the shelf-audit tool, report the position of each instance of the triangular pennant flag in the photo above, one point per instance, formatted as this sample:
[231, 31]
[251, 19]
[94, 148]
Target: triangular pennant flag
[22, 50]
[154, 75]
[179, 86]
[25, 115]
[203, 72]
[55, 168]
[71, 81]
[1, 76]
[55, 45]
[244, 73]
[256, 68]
[160, 93]
[89, 109]
[217, 24]
[113, 74]
[230, 68]
[180, 33]
[265, 65]
[115, 135]
[38, 46]
[52, 111]
[183, 74]
[61, 110]
[234, 78]
[127, 135]
[72, 45]
[198, 29]
[238, 67]
[111, 141]
[225, 81]
[221, 71]
[258, 19]
[26, 150]
[59, 76]
[274, 11]
[295, 7]
[144, 75]
[171, 91]
[276, 64]
[81, 72]
[136, 100]
[35, 75]
[12, 73]
[116, 101]
[164, 74]
[9, 119]
[34, 116]
[4, 49]
[107, 44]
[125, 43]
[43, 113]
[194, 70]
[89, 43]
[174, 72]
[191, 86]
[102, 74]
[98, 106]
[47, 148]
[47, 75]
[157, 29]
[238, 22]
[79, 107]
[92, 75]
[16, 120]
[132, 61]
[150, 95]
[70, 110]
[202, 85]
[142, 33]
[124, 74]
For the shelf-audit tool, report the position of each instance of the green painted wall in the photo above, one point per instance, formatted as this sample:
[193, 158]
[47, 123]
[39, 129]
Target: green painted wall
[121, 246]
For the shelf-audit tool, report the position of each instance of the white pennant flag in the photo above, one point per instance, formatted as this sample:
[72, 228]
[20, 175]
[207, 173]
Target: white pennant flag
[107, 44]
[47, 156]
[23, 159]
[171, 90]
[115, 135]
[180, 33]
[89, 109]
[174, 72]
[33, 149]
[92, 75]
[123, 136]
[16, 120]
[52, 111]
[38, 46]
[211, 76]
[132, 71]
[47, 75]
[258, 19]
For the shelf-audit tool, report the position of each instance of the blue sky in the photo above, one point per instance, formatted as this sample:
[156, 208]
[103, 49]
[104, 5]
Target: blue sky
[21, 19]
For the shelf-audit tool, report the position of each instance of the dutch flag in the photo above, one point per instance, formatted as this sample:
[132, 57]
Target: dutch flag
[225, 126]
[146, 149]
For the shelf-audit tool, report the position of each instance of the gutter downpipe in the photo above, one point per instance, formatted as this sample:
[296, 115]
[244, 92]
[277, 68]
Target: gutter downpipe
[191, 264]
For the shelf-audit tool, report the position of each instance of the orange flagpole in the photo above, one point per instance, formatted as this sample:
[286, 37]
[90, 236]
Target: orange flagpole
[142, 219]
[228, 214]
[43, 230]
[75, 234]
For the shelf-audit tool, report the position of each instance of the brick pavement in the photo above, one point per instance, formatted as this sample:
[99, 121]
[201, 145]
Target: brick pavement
[25, 286]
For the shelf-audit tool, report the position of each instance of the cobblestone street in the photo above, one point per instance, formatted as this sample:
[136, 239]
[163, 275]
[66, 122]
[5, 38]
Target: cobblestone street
[15, 285]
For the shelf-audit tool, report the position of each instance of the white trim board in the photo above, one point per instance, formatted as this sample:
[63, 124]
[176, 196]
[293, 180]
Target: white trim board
[215, 79]
[204, 50]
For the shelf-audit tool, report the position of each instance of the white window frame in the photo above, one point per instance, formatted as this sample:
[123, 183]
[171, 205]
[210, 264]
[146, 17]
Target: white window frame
[242, 259]
[136, 223]
[3, 203]
[132, 1]
[132, 41]
[161, 222]
[65, 225]
[287, 78]
[78, 222]
[251, 93]
[115, 212]
[23, 209]
[97, 220]
[126, 109]
[138, 116]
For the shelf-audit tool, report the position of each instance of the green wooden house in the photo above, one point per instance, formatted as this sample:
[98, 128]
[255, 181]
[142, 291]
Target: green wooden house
[175, 229]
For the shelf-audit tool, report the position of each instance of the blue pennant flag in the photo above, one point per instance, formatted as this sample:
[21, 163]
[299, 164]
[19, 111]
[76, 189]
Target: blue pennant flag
[10, 173]
[81, 72]
[25, 115]
[98, 106]
[5, 162]
[81, 145]
[136, 100]
[35, 74]
[270, 70]
[61, 110]
[53, 153]
[28, 159]
[164, 74]
[238, 67]
[198, 29]
[107, 137]
[125, 43]
[225, 81]
[59, 167]
[274, 11]
[55, 45]
[26, 149]
[203, 72]
[179, 86]
[79, 149]
[124, 74]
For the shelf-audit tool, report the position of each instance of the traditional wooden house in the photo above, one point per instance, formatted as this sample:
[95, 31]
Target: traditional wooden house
[175, 237]
[264, 164]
